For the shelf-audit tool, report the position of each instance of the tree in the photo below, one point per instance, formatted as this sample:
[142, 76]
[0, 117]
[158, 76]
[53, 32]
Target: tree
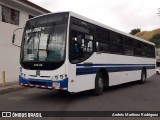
[156, 39]
[135, 31]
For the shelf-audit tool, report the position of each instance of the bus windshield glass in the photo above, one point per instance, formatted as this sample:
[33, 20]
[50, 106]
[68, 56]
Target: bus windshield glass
[44, 41]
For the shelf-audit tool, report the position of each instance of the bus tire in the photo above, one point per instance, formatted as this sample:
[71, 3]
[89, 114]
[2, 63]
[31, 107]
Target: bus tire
[143, 76]
[99, 84]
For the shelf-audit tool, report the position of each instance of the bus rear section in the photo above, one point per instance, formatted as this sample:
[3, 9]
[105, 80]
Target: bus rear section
[107, 57]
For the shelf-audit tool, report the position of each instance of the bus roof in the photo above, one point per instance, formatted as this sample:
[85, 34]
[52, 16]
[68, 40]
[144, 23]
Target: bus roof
[107, 27]
[98, 24]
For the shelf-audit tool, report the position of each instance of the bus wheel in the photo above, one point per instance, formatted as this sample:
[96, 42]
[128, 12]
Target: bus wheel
[99, 84]
[143, 77]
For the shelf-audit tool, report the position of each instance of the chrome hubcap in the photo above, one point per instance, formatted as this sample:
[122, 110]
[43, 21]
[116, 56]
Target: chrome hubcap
[100, 83]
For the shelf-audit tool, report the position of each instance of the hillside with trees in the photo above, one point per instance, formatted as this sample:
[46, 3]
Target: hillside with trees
[153, 36]
[147, 35]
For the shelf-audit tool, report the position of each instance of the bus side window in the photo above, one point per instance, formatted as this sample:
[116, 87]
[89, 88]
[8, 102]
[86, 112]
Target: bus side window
[128, 50]
[150, 51]
[102, 46]
[116, 43]
[88, 43]
[81, 46]
[128, 46]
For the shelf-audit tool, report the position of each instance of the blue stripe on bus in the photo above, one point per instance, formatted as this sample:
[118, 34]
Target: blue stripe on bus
[111, 68]
[90, 64]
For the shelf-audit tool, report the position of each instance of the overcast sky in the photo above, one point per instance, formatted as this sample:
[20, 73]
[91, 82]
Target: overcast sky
[123, 15]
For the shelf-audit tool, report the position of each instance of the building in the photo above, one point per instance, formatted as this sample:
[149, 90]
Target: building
[158, 56]
[13, 15]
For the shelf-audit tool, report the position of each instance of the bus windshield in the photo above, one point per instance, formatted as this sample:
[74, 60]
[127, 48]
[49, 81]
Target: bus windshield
[45, 43]
[44, 40]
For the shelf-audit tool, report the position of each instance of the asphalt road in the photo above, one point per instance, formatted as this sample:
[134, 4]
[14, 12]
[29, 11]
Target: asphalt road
[127, 97]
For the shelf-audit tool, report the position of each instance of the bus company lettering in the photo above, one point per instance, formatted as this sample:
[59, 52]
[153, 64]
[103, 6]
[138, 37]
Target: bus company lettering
[38, 29]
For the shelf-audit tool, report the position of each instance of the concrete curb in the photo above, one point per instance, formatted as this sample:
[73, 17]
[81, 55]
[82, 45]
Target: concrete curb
[9, 89]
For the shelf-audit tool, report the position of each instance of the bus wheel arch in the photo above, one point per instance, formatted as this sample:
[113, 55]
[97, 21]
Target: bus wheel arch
[101, 80]
[106, 76]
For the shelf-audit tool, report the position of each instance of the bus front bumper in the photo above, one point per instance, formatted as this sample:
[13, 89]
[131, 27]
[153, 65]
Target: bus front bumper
[45, 84]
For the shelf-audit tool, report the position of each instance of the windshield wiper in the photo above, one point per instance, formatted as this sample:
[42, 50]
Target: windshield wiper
[28, 40]
[50, 32]
[32, 34]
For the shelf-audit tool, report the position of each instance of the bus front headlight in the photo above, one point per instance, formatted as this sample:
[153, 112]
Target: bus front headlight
[59, 77]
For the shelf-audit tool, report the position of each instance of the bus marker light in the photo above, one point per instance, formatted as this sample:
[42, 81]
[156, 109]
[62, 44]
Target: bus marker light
[61, 76]
[56, 77]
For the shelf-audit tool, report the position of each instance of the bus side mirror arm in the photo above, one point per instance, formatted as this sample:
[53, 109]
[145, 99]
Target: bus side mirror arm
[13, 38]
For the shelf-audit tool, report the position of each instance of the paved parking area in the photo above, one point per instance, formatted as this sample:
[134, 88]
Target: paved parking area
[126, 97]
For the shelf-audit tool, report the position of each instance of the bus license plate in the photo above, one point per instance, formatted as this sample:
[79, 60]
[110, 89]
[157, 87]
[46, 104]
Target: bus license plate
[56, 85]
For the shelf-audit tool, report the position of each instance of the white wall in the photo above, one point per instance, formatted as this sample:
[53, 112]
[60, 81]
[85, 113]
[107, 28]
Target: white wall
[9, 54]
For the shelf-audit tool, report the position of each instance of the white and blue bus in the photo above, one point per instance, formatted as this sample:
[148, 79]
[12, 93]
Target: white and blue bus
[66, 51]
